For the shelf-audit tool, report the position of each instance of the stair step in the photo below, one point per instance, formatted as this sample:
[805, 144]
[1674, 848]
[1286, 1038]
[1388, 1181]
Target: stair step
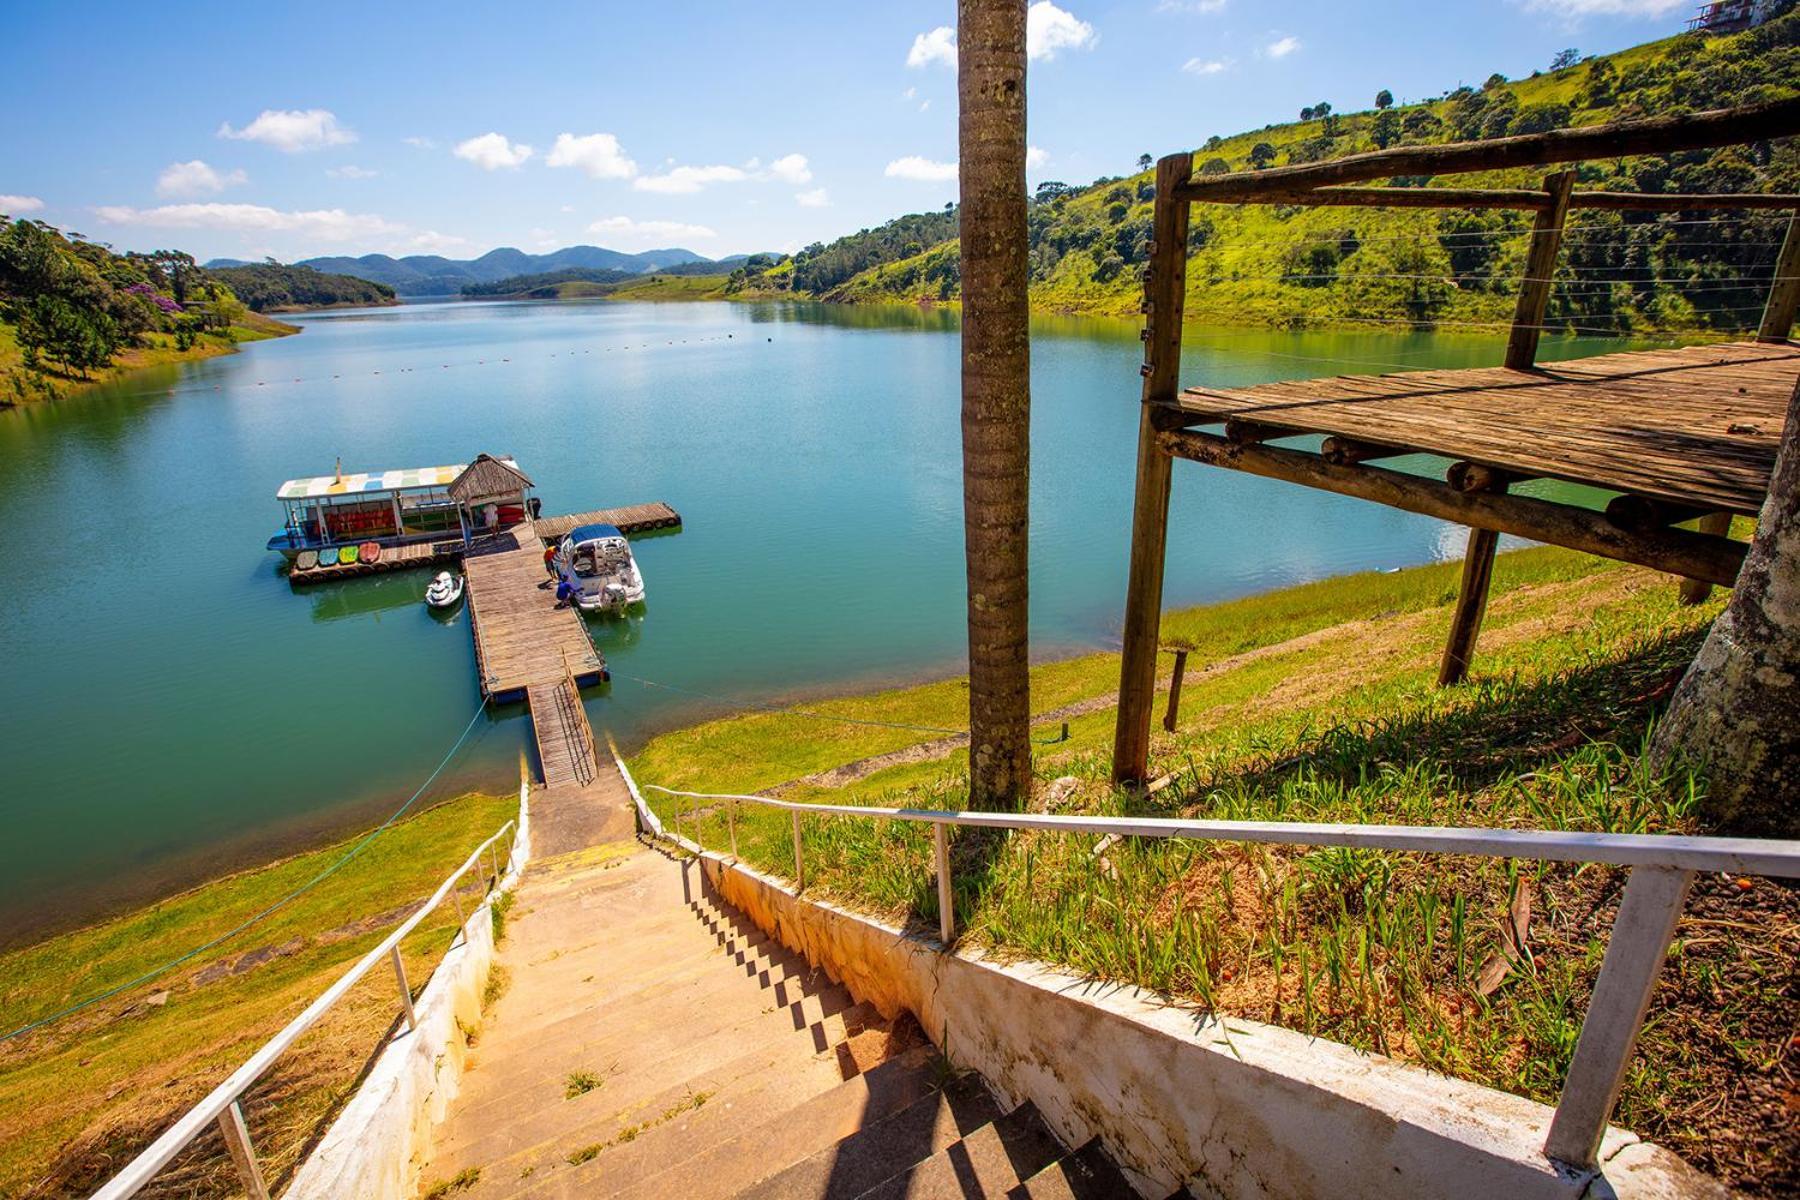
[1087, 1174]
[877, 1152]
[730, 1166]
[525, 1099]
[993, 1160]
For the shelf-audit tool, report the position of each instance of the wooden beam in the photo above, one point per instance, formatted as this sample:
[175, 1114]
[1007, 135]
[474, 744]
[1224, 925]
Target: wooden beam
[1784, 293]
[1676, 202]
[1654, 135]
[1477, 477]
[1348, 451]
[1695, 591]
[1521, 199]
[1641, 512]
[1677, 551]
[1248, 432]
[1165, 294]
[1540, 266]
[1471, 606]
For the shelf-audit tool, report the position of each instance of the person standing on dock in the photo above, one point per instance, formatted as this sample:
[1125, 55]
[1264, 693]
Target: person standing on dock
[549, 566]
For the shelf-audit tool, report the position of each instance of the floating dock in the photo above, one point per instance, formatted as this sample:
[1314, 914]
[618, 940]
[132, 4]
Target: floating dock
[521, 637]
[633, 518]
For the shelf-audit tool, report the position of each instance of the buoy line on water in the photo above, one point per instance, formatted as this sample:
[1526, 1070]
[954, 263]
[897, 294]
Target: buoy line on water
[276, 907]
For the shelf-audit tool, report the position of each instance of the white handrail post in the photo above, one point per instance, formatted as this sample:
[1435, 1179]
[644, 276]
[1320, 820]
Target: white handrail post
[237, 1140]
[731, 819]
[456, 895]
[1634, 956]
[940, 843]
[799, 867]
[494, 863]
[406, 1004]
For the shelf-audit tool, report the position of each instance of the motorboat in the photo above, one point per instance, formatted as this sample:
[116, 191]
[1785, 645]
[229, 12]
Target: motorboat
[596, 562]
[445, 590]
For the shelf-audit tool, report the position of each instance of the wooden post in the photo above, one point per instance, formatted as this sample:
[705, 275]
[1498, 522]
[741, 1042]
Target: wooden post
[1471, 603]
[1175, 690]
[1634, 958]
[1164, 296]
[243, 1155]
[1540, 265]
[1695, 591]
[1784, 293]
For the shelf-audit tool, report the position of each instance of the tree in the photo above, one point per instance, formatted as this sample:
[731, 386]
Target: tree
[1145, 162]
[1384, 100]
[1322, 109]
[996, 396]
[1050, 189]
[1386, 129]
[1565, 59]
[1306, 114]
[1737, 709]
[1262, 155]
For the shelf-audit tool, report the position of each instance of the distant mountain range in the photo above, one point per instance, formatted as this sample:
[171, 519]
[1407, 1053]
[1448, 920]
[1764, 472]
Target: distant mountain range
[434, 275]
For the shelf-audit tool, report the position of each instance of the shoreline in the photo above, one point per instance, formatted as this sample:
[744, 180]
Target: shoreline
[19, 388]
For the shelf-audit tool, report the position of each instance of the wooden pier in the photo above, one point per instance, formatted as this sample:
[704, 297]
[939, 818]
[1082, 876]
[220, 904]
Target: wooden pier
[633, 518]
[521, 637]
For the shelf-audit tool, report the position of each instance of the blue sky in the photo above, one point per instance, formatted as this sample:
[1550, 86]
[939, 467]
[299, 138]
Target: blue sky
[452, 128]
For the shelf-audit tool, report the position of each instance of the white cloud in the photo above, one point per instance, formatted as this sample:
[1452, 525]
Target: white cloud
[292, 130]
[909, 93]
[1574, 10]
[195, 178]
[491, 152]
[599, 154]
[924, 106]
[922, 170]
[684, 181]
[1193, 6]
[1049, 29]
[791, 168]
[938, 46]
[351, 172]
[13, 205]
[1035, 157]
[433, 242]
[326, 224]
[420, 143]
[1282, 47]
[1206, 66]
[648, 233]
[816, 198]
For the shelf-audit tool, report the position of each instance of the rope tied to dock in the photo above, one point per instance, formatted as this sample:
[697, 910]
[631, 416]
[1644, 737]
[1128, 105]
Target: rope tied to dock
[267, 912]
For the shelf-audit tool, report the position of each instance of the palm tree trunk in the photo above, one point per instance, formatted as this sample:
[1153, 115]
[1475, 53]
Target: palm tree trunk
[996, 389]
[1737, 710]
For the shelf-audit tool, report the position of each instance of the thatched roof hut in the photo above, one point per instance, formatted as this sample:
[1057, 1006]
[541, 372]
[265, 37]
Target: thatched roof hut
[488, 478]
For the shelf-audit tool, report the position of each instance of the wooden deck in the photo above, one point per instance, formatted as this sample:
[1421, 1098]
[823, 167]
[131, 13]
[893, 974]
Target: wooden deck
[521, 637]
[393, 558]
[565, 740]
[1695, 427]
[633, 518]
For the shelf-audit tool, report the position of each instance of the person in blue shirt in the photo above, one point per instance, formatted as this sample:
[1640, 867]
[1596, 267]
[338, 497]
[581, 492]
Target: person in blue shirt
[565, 592]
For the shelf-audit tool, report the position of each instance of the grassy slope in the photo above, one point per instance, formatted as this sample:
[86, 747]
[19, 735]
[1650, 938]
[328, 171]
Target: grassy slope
[1317, 704]
[1232, 281]
[17, 384]
[83, 1095]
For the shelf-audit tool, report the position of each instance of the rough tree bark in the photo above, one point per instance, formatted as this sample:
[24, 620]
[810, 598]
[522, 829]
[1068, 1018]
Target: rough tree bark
[1737, 709]
[996, 395]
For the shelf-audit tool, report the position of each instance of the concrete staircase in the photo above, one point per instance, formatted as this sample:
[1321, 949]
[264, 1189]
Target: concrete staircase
[651, 1042]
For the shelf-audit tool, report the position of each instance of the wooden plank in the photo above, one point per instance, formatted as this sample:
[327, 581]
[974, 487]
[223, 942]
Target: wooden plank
[633, 518]
[1696, 427]
[521, 638]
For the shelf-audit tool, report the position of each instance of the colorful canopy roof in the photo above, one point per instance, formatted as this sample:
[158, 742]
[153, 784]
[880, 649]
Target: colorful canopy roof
[384, 481]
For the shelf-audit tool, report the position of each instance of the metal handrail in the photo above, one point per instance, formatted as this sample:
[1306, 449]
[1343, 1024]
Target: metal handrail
[1662, 871]
[221, 1105]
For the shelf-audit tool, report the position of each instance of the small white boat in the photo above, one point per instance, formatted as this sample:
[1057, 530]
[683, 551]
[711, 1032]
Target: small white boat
[445, 590]
[596, 561]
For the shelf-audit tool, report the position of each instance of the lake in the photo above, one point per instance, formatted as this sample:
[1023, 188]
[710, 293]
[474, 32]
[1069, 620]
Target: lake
[174, 708]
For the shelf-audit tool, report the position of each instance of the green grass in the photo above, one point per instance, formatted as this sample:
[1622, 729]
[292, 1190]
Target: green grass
[139, 1063]
[1318, 704]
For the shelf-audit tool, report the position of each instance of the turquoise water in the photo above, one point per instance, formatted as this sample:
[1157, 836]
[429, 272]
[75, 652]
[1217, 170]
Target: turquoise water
[173, 707]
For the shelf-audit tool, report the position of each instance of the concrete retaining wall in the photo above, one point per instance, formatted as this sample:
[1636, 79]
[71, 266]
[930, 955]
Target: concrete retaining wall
[378, 1144]
[1235, 1109]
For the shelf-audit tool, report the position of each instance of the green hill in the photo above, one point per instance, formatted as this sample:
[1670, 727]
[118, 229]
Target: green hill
[271, 287]
[1289, 266]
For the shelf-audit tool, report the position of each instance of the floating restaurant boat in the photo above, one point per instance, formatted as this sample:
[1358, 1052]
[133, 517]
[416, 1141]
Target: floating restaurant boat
[342, 513]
